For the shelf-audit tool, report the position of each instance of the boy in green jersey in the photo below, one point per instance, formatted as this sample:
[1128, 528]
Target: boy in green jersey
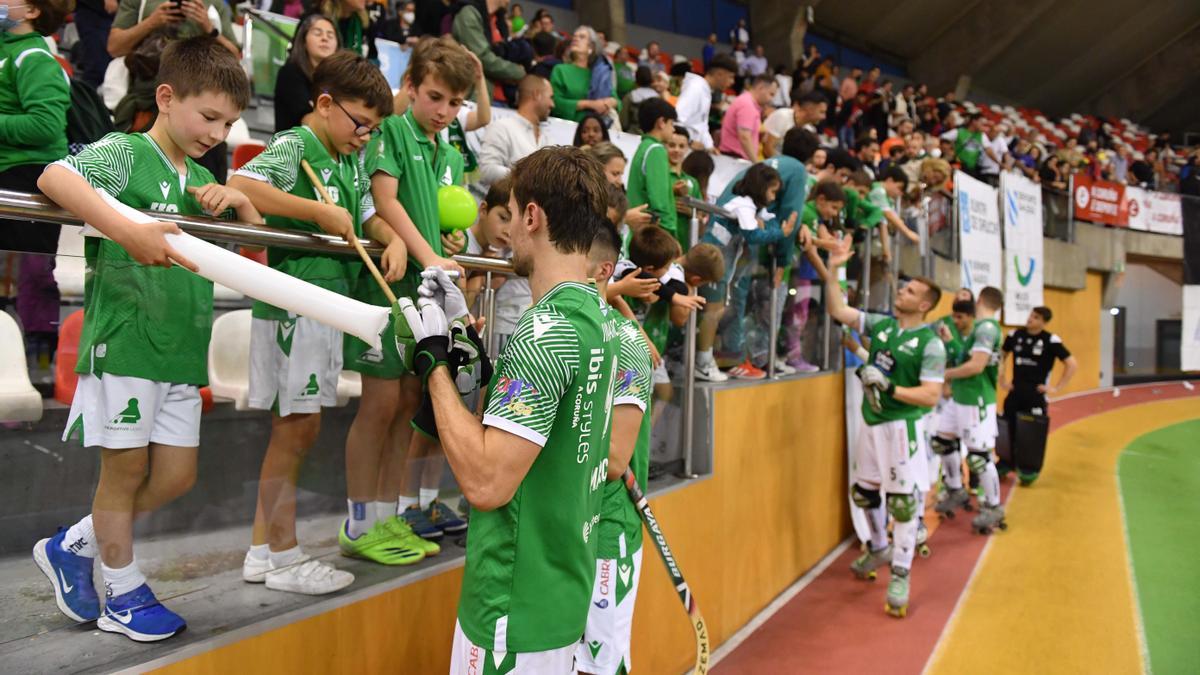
[294, 361]
[970, 414]
[901, 382]
[884, 193]
[408, 164]
[682, 184]
[144, 348]
[605, 647]
[650, 170]
[534, 470]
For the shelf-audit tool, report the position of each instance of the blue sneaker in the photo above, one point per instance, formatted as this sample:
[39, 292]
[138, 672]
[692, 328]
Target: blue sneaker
[445, 519]
[419, 521]
[71, 577]
[140, 617]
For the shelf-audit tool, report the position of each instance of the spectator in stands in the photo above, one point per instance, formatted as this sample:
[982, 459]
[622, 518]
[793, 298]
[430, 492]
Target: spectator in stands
[756, 63]
[315, 39]
[136, 19]
[904, 105]
[914, 155]
[740, 128]
[514, 137]
[696, 96]
[709, 50]
[650, 58]
[516, 20]
[1142, 169]
[848, 89]
[739, 34]
[683, 184]
[590, 130]
[805, 112]
[356, 30]
[1051, 174]
[1121, 161]
[872, 82]
[995, 149]
[572, 80]
[700, 165]
[604, 79]
[783, 90]
[473, 27]
[662, 87]
[613, 161]
[867, 150]
[93, 20]
[968, 142]
[34, 98]
[644, 79]
[936, 173]
[650, 172]
[400, 28]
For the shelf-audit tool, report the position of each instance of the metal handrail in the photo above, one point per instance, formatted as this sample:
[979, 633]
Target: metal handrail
[689, 203]
[25, 206]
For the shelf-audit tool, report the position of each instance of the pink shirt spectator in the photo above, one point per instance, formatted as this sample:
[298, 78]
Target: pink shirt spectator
[743, 113]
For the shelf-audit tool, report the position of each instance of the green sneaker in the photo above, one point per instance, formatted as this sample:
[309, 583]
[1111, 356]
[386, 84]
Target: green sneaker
[380, 546]
[401, 530]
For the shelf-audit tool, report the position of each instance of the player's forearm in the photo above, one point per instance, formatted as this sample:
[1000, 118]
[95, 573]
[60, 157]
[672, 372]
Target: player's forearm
[925, 395]
[380, 231]
[392, 211]
[72, 192]
[248, 214]
[271, 201]
[968, 369]
[462, 437]
[838, 309]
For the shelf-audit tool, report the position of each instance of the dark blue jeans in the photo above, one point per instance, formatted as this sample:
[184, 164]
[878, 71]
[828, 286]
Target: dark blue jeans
[93, 29]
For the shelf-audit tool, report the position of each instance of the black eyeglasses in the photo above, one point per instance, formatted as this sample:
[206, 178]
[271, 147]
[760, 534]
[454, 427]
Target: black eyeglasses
[360, 129]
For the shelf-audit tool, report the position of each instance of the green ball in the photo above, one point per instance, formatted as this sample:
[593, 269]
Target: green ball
[518, 23]
[457, 209]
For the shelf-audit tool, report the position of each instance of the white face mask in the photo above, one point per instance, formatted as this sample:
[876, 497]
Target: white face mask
[409, 17]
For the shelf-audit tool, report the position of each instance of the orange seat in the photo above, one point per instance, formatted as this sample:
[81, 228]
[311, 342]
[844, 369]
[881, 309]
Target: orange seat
[66, 356]
[244, 153]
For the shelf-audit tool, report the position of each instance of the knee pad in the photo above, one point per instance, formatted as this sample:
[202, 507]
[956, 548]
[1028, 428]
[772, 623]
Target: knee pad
[902, 507]
[864, 498]
[977, 462]
[943, 446]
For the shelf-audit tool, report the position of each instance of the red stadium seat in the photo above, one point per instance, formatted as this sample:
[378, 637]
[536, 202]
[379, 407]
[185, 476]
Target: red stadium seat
[698, 66]
[244, 153]
[66, 356]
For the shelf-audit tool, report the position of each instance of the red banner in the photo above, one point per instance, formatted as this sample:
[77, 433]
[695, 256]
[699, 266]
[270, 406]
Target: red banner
[1099, 201]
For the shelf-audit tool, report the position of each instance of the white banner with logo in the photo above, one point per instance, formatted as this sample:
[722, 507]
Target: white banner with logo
[1024, 259]
[1154, 211]
[979, 233]
[1189, 339]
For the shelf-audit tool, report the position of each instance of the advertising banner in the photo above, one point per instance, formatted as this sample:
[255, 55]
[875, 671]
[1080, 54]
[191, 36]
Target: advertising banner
[1154, 211]
[1099, 201]
[1024, 259]
[979, 233]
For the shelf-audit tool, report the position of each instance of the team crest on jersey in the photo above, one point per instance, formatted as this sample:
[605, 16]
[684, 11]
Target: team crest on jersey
[625, 381]
[513, 391]
[325, 175]
[334, 194]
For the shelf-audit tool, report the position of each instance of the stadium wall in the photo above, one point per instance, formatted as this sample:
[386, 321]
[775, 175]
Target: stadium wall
[774, 506]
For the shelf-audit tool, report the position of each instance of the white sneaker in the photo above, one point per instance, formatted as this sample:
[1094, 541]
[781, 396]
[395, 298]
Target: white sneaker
[782, 368]
[254, 570]
[310, 577]
[709, 372]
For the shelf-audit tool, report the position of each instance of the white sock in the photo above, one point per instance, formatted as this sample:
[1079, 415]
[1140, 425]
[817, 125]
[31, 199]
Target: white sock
[80, 538]
[284, 558]
[361, 518]
[404, 502]
[904, 536]
[990, 480]
[704, 357]
[428, 496]
[384, 510]
[121, 581]
[877, 522]
[259, 552]
[952, 469]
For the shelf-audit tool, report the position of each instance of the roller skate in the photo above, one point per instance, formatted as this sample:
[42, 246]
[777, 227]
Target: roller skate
[956, 498]
[864, 566]
[897, 593]
[1003, 469]
[1027, 477]
[989, 518]
[922, 540]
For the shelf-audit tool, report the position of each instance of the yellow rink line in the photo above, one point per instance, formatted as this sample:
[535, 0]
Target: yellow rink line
[1053, 594]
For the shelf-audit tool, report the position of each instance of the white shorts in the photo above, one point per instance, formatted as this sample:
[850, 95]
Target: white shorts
[975, 425]
[467, 658]
[891, 456]
[294, 365]
[605, 644]
[119, 412]
[660, 375]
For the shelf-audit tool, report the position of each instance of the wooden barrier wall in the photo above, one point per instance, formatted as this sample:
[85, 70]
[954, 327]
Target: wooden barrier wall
[775, 505]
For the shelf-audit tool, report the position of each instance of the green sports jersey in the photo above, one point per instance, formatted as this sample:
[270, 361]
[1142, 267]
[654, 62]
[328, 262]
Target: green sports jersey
[954, 348]
[348, 184]
[683, 220]
[529, 573]
[139, 321]
[634, 386]
[980, 390]
[879, 198]
[908, 357]
[650, 182]
[859, 212]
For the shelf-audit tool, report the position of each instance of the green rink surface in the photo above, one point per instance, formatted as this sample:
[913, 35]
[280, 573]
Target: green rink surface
[1160, 488]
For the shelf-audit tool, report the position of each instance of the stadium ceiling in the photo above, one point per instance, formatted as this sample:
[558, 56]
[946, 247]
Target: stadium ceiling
[1108, 57]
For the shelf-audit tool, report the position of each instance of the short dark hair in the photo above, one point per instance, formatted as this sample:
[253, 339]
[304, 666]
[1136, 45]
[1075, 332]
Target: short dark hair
[755, 183]
[813, 97]
[963, 307]
[934, 292]
[617, 200]
[829, 190]
[705, 261]
[498, 194]
[606, 246]
[652, 246]
[643, 76]
[681, 130]
[863, 141]
[1043, 312]
[568, 184]
[543, 44]
[724, 62]
[699, 165]
[895, 174]
[53, 14]
[800, 144]
[860, 177]
[838, 158]
[346, 75]
[991, 296]
[762, 79]
[200, 65]
[652, 110]
[444, 57]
